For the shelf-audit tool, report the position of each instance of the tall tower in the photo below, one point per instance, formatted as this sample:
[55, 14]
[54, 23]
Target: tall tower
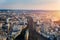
[8, 24]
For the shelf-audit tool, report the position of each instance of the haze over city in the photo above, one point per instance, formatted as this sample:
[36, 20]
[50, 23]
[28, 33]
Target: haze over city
[29, 19]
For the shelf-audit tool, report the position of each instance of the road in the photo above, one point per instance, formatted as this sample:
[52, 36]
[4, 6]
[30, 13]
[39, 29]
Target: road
[33, 35]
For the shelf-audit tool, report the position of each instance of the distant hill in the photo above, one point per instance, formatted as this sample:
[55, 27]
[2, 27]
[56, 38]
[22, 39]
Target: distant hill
[18, 10]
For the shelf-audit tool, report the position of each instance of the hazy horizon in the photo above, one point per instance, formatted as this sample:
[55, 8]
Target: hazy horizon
[30, 4]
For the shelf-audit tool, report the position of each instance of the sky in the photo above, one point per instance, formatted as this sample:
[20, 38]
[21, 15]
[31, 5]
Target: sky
[30, 4]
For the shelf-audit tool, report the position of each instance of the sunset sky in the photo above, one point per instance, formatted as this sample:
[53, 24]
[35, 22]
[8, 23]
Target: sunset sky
[30, 4]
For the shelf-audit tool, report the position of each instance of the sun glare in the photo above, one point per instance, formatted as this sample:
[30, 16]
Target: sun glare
[56, 16]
